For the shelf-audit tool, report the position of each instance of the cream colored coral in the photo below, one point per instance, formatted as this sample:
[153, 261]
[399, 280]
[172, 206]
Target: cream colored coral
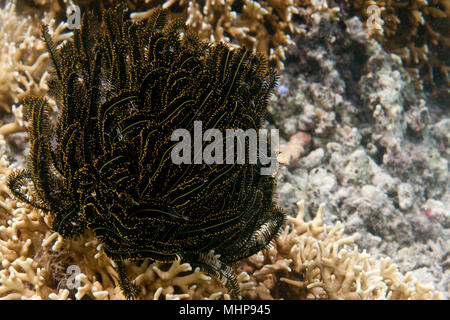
[316, 261]
[411, 30]
[23, 61]
[99, 278]
[21, 233]
[264, 26]
[23, 57]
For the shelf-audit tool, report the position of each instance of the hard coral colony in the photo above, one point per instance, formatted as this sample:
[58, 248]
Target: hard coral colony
[105, 166]
[416, 30]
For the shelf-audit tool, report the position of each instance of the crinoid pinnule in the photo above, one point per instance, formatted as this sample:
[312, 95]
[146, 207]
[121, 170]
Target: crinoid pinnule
[123, 88]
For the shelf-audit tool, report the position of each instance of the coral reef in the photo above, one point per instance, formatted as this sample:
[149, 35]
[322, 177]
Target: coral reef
[264, 26]
[416, 30]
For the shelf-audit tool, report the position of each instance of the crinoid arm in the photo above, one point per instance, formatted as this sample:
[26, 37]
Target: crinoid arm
[211, 264]
[129, 288]
[16, 181]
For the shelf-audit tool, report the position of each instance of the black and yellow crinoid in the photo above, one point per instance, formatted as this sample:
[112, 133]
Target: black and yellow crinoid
[104, 164]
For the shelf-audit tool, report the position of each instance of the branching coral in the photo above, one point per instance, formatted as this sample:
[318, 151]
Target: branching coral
[19, 124]
[16, 43]
[98, 278]
[265, 26]
[35, 261]
[313, 261]
[21, 233]
[23, 61]
[419, 32]
[294, 149]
